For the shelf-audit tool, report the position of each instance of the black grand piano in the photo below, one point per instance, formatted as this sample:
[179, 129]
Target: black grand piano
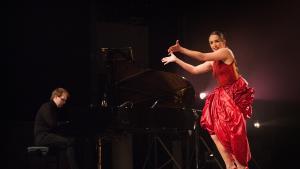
[139, 98]
[126, 96]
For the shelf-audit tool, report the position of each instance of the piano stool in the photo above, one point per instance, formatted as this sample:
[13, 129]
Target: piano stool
[42, 157]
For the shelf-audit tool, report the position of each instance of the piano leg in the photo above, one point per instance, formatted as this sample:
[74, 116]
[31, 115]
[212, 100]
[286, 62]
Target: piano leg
[122, 153]
[99, 148]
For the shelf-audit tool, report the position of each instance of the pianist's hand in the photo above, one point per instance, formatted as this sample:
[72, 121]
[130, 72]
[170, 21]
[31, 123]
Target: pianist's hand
[171, 58]
[175, 48]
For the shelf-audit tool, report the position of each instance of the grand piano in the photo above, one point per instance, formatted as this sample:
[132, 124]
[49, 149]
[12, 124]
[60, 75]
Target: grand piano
[139, 98]
[128, 97]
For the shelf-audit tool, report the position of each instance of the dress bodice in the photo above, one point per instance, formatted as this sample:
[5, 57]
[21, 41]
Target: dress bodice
[225, 74]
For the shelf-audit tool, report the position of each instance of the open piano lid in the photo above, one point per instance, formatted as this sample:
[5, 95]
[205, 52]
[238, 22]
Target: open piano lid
[169, 89]
[156, 99]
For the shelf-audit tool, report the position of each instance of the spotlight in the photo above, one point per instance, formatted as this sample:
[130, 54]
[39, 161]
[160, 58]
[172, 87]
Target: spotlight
[256, 124]
[202, 95]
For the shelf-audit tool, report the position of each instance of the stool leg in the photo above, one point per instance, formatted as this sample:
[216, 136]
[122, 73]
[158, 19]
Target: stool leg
[44, 161]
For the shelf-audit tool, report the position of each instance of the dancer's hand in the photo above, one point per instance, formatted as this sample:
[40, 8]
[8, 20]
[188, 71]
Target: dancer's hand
[171, 58]
[174, 48]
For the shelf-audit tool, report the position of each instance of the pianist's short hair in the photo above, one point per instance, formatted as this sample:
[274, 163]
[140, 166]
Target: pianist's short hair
[58, 92]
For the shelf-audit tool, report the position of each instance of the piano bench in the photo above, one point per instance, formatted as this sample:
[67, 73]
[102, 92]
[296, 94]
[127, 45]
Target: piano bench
[41, 157]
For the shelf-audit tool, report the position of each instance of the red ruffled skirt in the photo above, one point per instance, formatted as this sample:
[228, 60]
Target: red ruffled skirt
[224, 114]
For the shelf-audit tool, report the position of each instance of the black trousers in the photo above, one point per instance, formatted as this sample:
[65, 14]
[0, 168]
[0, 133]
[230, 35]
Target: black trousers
[61, 143]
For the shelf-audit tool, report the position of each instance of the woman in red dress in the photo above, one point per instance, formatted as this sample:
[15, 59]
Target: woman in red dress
[228, 106]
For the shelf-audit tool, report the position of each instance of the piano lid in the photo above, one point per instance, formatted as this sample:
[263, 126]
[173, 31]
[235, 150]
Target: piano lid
[154, 99]
[150, 86]
[132, 83]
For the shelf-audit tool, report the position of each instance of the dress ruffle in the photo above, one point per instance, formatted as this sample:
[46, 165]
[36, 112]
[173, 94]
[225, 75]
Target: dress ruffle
[224, 114]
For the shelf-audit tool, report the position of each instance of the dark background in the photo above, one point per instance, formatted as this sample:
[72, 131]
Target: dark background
[53, 44]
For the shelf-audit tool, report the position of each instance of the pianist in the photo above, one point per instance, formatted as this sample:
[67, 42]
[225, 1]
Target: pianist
[46, 127]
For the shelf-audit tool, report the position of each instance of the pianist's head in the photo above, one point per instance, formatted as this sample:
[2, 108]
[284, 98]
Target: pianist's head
[59, 96]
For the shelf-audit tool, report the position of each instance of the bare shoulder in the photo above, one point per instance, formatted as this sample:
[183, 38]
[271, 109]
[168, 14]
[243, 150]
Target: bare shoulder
[230, 51]
[226, 51]
[229, 55]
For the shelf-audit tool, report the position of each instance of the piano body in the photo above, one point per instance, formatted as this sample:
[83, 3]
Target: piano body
[139, 98]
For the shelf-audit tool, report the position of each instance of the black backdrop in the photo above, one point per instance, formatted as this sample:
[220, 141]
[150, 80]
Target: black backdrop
[51, 44]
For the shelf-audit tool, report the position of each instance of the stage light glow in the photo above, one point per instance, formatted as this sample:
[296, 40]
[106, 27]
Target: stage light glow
[256, 124]
[202, 95]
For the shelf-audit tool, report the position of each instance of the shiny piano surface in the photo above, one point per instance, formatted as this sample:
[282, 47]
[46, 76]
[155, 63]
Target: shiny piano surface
[149, 98]
[137, 98]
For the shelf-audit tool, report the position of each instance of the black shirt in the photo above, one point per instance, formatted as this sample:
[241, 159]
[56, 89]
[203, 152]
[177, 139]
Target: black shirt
[46, 119]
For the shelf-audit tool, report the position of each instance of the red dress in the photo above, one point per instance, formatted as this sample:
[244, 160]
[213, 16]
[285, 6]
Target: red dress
[226, 110]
